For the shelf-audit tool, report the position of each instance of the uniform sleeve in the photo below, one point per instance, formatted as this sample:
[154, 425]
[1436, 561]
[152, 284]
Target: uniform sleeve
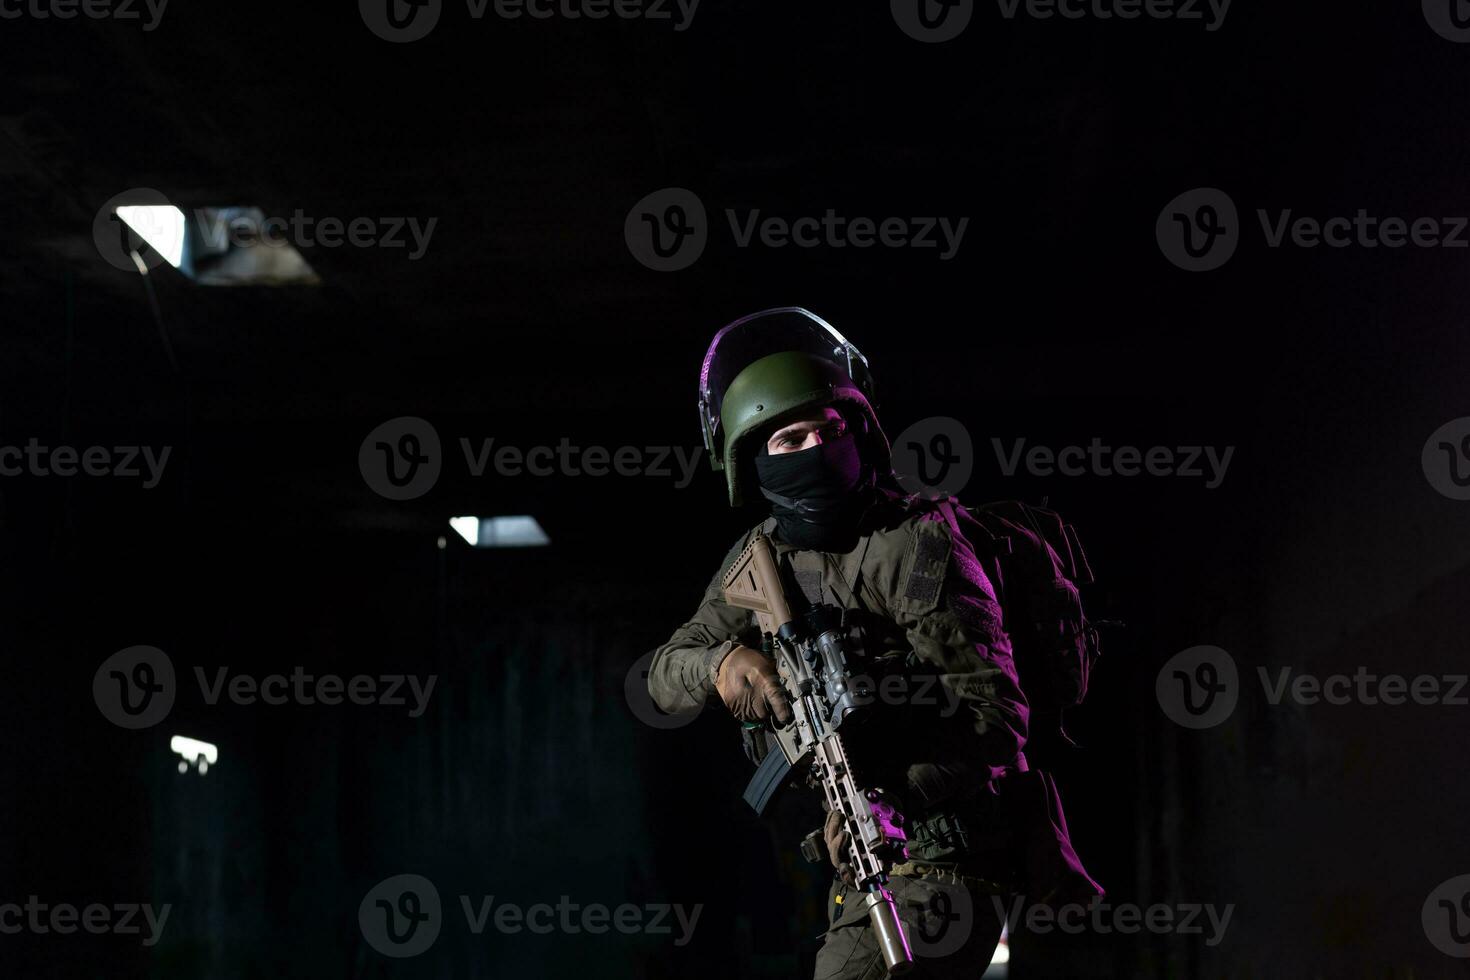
[947, 606]
[682, 673]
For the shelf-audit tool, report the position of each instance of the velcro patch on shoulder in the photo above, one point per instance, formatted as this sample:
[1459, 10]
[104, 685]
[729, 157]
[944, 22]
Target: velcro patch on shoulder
[931, 560]
[978, 613]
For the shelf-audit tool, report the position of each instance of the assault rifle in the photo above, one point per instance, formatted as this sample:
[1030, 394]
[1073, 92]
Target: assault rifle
[812, 662]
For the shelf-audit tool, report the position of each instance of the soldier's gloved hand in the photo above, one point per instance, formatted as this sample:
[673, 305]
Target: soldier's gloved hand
[750, 687]
[834, 832]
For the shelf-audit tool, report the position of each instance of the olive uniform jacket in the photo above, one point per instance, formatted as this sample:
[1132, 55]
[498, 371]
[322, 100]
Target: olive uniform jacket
[950, 742]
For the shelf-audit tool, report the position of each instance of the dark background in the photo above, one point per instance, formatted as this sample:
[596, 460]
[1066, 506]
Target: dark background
[528, 320]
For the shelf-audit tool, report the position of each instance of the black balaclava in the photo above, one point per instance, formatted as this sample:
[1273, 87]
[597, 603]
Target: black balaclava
[818, 495]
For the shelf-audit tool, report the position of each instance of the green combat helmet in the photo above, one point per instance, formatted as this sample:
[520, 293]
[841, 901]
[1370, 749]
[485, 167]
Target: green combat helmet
[771, 364]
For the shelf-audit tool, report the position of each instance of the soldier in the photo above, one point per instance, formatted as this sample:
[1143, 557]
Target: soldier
[786, 405]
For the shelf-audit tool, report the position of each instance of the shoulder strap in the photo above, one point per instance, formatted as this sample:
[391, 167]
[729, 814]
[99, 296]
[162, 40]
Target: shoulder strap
[850, 572]
[947, 508]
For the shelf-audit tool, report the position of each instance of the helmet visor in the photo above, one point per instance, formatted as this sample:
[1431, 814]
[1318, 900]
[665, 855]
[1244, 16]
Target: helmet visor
[750, 338]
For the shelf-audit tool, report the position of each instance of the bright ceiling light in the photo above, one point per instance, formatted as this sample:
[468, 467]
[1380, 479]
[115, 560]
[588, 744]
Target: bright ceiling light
[160, 225]
[200, 755]
[519, 531]
[467, 528]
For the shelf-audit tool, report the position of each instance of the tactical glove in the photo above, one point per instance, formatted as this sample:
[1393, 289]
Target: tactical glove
[750, 687]
[836, 836]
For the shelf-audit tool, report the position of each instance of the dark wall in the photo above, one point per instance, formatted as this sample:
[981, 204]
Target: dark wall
[530, 776]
